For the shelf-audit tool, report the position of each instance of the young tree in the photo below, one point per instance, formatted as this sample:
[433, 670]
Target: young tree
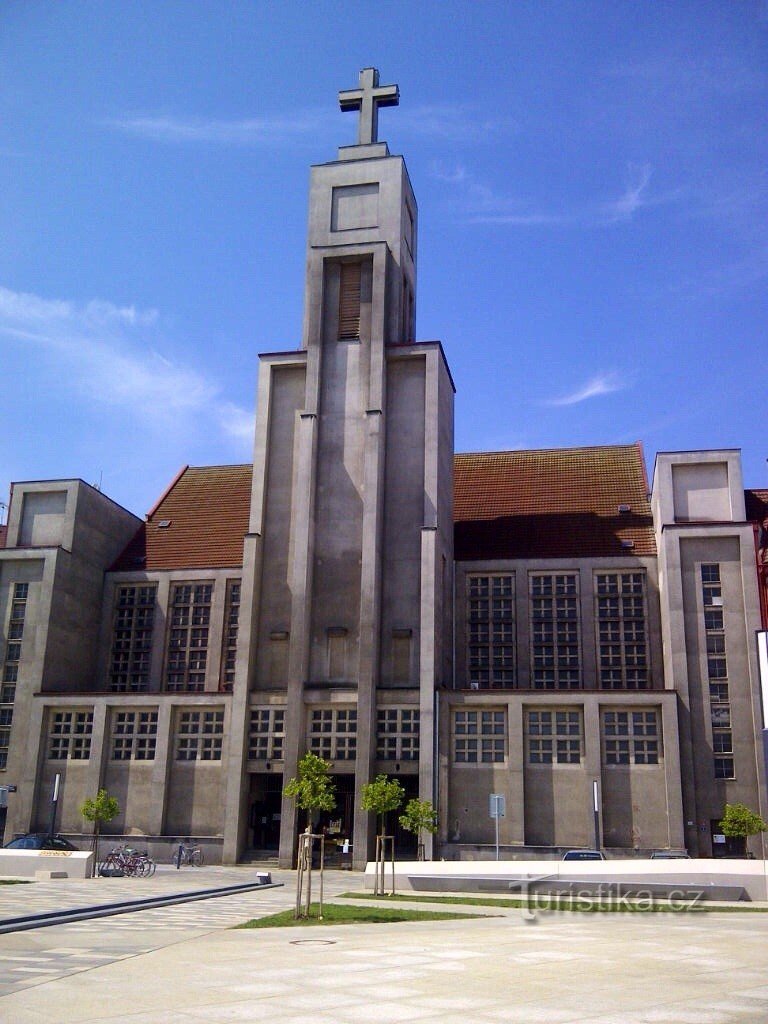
[382, 796]
[419, 817]
[99, 811]
[313, 789]
[740, 823]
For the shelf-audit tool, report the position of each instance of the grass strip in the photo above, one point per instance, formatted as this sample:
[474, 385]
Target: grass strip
[584, 905]
[335, 913]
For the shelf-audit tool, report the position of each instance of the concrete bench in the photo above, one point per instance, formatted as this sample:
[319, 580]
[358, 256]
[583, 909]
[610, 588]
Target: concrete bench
[554, 886]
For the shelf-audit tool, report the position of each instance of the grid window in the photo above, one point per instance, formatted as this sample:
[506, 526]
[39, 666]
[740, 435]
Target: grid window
[631, 737]
[132, 624]
[187, 655]
[266, 736]
[69, 736]
[555, 654]
[333, 733]
[554, 737]
[479, 736]
[229, 641]
[491, 632]
[397, 734]
[134, 735]
[621, 631]
[199, 735]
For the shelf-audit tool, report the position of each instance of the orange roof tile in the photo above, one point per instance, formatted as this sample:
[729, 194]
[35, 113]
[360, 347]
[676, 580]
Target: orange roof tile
[207, 511]
[552, 503]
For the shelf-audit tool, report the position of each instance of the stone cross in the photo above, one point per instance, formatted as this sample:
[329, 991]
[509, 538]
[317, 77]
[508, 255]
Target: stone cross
[367, 99]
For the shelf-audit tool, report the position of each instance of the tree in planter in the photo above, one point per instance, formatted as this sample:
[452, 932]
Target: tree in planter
[99, 811]
[313, 789]
[382, 796]
[740, 823]
[419, 817]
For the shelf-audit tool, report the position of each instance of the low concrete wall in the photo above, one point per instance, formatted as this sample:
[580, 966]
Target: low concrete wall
[415, 876]
[43, 864]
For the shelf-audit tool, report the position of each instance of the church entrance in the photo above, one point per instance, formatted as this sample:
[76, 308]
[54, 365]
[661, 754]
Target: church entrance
[264, 819]
[337, 825]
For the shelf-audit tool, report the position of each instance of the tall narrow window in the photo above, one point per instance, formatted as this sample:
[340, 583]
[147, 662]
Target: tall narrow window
[621, 631]
[491, 632]
[555, 657]
[131, 638]
[717, 671]
[229, 641]
[187, 657]
[12, 657]
[349, 300]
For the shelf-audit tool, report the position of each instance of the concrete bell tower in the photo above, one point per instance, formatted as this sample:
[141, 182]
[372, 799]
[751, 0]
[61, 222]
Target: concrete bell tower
[349, 556]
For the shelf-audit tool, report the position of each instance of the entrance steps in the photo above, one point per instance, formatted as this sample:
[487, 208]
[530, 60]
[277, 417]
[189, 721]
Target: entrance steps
[266, 857]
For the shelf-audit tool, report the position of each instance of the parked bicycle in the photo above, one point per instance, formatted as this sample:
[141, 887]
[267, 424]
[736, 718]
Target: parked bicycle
[123, 860]
[188, 853]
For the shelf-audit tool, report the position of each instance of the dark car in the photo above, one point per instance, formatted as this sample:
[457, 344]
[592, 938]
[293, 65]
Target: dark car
[39, 841]
[583, 855]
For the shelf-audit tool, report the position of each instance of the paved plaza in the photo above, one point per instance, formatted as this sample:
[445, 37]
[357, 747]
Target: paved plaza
[185, 964]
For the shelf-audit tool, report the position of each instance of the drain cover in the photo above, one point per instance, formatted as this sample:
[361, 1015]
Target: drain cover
[313, 942]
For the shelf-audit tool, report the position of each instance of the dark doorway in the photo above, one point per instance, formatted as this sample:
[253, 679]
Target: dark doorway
[264, 821]
[338, 824]
[726, 846]
[405, 842]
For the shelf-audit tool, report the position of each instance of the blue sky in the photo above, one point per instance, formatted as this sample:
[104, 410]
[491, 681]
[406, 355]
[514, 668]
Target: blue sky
[592, 181]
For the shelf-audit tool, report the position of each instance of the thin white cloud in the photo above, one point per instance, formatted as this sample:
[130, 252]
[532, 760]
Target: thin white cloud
[108, 355]
[245, 132]
[482, 205]
[450, 123]
[633, 198]
[601, 384]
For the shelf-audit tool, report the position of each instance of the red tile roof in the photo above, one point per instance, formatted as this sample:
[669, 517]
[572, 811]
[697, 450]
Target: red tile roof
[757, 505]
[207, 510]
[553, 503]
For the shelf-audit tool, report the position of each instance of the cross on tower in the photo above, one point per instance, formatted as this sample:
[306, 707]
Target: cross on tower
[367, 99]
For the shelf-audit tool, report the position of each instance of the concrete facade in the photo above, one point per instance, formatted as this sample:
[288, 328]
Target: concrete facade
[186, 663]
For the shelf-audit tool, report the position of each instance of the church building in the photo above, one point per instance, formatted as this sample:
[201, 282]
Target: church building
[546, 626]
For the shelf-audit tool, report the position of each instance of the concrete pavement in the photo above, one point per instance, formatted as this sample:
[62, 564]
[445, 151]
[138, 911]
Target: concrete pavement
[561, 968]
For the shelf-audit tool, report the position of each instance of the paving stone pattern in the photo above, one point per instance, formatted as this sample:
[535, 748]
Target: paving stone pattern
[29, 957]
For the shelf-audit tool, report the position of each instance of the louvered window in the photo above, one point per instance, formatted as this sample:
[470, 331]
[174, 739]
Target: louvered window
[349, 301]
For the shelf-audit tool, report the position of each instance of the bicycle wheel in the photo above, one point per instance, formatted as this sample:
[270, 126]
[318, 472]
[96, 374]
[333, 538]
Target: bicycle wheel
[196, 858]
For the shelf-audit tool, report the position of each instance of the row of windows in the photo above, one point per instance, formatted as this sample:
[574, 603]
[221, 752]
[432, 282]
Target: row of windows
[556, 736]
[186, 655]
[555, 631]
[199, 734]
